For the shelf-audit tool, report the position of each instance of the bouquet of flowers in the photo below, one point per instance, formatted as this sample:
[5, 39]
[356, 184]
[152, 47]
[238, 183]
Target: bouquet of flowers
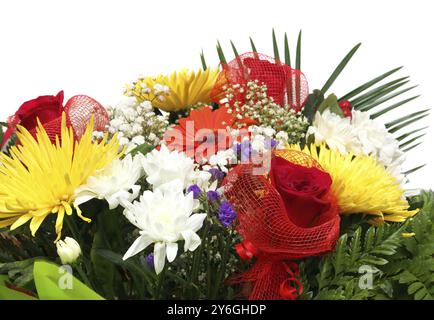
[233, 182]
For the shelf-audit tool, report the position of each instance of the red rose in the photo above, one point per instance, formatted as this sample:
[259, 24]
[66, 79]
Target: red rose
[48, 109]
[290, 216]
[44, 108]
[304, 191]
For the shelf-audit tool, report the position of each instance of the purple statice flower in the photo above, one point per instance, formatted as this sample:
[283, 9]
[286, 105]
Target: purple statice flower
[226, 214]
[212, 195]
[244, 150]
[150, 260]
[195, 189]
[274, 143]
[216, 174]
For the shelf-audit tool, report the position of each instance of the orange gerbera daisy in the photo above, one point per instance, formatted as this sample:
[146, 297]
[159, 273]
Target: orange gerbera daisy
[203, 133]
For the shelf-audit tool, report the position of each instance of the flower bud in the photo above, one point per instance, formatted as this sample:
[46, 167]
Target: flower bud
[68, 250]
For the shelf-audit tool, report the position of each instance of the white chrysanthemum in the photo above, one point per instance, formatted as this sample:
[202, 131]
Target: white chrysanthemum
[335, 131]
[376, 140]
[164, 217]
[361, 134]
[162, 166]
[115, 183]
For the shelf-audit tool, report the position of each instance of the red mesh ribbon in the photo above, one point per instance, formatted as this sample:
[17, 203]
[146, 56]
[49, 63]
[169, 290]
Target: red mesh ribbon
[79, 110]
[287, 86]
[270, 235]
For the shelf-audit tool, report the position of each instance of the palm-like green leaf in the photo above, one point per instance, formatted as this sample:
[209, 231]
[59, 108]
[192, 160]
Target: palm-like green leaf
[410, 133]
[220, 53]
[275, 47]
[414, 169]
[393, 106]
[202, 59]
[368, 84]
[339, 68]
[404, 144]
[407, 117]
[234, 49]
[287, 52]
[412, 147]
[378, 92]
[365, 97]
[384, 98]
[405, 124]
[298, 50]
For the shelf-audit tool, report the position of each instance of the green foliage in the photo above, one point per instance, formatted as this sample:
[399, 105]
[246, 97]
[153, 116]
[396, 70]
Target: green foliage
[402, 267]
[48, 279]
[341, 66]
[331, 104]
[413, 265]
[367, 97]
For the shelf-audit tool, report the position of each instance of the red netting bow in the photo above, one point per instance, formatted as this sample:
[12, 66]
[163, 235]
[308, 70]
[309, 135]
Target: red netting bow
[267, 224]
[48, 109]
[285, 85]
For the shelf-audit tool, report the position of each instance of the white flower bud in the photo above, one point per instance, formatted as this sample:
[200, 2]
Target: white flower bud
[68, 250]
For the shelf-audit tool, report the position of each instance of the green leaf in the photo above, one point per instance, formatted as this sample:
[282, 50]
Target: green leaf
[48, 280]
[340, 254]
[331, 104]
[378, 92]
[404, 124]
[287, 52]
[202, 59]
[414, 169]
[408, 134]
[402, 145]
[220, 53]
[298, 53]
[339, 68]
[393, 106]
[252, 44]
[7, 293]
[355, 246]
[143, 149]
[368, 84]
[313, 101]
[275, 47]
[412, 147]
[365, 107]
[234, 49]
[406, 117]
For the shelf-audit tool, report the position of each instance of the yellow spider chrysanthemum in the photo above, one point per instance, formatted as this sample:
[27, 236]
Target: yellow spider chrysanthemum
[39, 178]
[362, 185]
[186, 89]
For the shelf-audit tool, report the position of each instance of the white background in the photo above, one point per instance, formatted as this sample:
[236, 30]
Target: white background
[93, 47]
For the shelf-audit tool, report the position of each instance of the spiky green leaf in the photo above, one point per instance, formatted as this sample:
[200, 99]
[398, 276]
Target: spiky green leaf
[275, 47]
[287, 52]
[298, 53]
[392, 107]
[368, 84]
[339, 68]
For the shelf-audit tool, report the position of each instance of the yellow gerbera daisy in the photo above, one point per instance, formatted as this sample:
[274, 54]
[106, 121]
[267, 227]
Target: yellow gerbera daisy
[39, 178]
[186, 89]
[362, 185]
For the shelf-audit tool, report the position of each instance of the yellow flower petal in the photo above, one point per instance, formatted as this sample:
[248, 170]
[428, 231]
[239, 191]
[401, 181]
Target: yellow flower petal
[39, 178]
[362, 185]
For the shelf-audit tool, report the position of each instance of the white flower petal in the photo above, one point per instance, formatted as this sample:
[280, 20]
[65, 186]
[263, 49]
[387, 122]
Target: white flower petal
[83, 197]
[138, 245]
[195, 221]
[159, 256]
[192, 240]
[171, 251]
